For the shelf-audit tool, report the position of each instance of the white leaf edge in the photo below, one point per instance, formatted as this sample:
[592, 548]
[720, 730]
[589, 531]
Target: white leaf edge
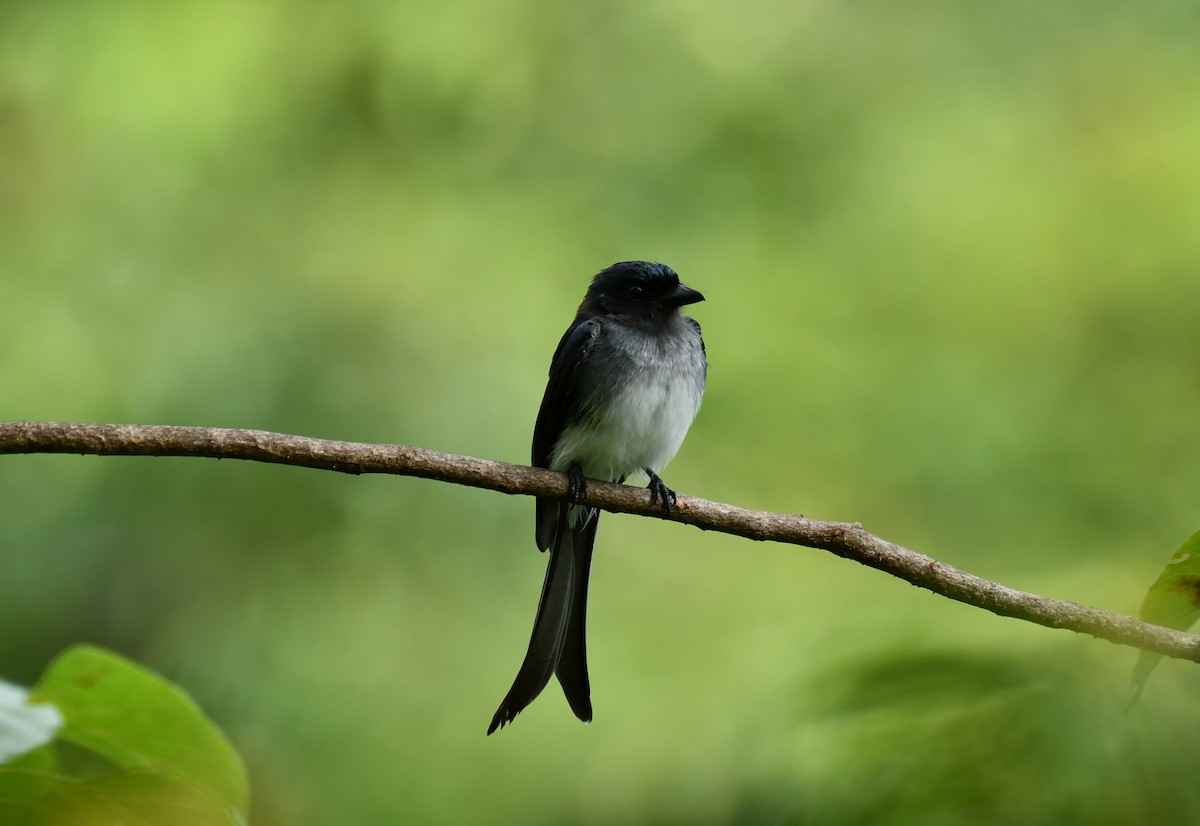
[23, 725]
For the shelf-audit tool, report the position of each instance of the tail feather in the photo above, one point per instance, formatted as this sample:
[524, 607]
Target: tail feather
[558, 626]
[572, 671]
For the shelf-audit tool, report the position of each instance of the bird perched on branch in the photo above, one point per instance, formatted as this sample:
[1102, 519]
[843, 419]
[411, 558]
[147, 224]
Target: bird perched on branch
[625, 384]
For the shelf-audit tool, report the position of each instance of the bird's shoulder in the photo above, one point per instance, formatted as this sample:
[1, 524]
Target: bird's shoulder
[695, 325]
[575, 344]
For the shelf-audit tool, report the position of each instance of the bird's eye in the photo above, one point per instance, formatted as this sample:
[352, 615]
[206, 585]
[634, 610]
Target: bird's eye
[636, 292]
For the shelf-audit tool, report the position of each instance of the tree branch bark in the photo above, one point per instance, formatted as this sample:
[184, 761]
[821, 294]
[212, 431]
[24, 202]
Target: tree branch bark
[845, 540]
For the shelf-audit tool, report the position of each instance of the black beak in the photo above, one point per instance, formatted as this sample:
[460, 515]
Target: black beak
[681, 296]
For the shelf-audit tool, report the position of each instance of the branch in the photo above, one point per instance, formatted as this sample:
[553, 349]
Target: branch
[844, 540]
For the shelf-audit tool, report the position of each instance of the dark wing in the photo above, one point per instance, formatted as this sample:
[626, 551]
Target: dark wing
[560, 404]
[560, 407]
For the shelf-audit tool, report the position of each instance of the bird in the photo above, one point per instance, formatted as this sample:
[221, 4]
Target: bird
[625, 384]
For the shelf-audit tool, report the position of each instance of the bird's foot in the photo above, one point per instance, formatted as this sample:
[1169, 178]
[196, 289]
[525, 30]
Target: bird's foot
[659, 491]
[576, 485]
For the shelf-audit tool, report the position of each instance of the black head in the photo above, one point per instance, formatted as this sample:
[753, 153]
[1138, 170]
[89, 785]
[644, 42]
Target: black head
[639, 289]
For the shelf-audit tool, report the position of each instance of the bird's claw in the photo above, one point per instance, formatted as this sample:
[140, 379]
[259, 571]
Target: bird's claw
[659, 491]
[576, 485]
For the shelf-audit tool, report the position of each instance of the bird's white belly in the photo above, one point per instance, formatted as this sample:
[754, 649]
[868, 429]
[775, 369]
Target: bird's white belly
[641, 427]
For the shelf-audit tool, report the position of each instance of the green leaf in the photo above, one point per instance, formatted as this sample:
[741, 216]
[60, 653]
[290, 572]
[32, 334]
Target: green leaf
[1173, 601]
[128, 800]
[25, 780]
[146, 727]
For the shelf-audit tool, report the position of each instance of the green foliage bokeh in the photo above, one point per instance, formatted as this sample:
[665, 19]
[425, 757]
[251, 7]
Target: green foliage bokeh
[950, 252]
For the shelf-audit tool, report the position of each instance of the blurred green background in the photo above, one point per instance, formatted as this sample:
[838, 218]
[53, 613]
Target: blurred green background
[950, 252]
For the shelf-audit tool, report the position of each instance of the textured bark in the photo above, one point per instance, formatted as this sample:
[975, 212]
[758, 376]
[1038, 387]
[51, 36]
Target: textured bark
[845, 540]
